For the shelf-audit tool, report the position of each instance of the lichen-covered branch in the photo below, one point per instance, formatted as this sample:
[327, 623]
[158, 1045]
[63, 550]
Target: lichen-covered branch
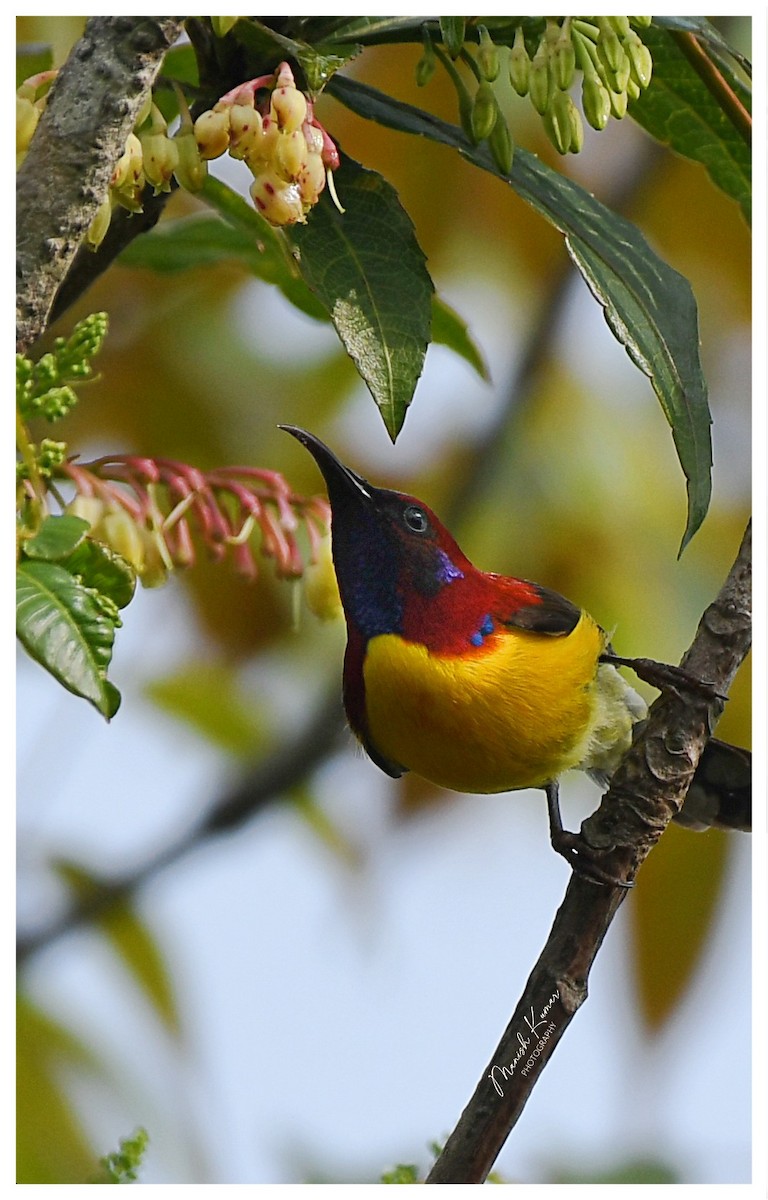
[91, 110]
[645, 793]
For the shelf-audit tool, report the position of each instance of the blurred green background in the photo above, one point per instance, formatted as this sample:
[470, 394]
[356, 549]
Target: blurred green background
[561, 469]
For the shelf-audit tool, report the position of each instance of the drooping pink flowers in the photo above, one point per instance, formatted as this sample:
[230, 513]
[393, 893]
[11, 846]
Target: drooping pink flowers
[154, 511]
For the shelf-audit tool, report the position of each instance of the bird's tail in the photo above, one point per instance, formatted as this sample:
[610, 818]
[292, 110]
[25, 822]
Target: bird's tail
[721, 791]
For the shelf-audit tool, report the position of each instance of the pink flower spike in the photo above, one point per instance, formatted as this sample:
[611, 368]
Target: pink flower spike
[245, 563]
[244, 93]
[330, 154]
[183, 550]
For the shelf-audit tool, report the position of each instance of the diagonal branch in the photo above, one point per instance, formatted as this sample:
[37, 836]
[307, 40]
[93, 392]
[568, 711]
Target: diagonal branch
[92, 108]
[645, 793]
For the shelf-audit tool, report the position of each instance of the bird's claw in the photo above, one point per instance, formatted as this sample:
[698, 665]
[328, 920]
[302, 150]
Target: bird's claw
[582, 859]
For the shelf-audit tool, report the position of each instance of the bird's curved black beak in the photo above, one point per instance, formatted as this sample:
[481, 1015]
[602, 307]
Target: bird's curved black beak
[342, 481]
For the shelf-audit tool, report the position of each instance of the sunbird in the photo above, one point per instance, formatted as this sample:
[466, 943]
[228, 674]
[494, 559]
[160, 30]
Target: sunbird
[481, 682]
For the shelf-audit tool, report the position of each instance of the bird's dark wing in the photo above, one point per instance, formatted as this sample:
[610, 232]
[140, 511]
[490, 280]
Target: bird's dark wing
[548, 613]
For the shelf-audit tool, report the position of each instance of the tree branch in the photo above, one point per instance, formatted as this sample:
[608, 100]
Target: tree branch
[263, 783]
[92, 108]
[714, 80]
[645, 793]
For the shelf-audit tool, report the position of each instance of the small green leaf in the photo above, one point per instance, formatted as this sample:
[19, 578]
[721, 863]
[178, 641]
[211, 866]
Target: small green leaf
[369, 271]
[132, 940]
[102, 568]
[318, 63]
[51, 1147]
[329, 833]
[180, 63]
[122, 1166]
[704, 31]
[649, 307]
[670, 935]
[56, 538]
[210, 698]
[243, 236]
[452, 31]
[61, 626]
[448, 329]
[680, 111]
[31, 59]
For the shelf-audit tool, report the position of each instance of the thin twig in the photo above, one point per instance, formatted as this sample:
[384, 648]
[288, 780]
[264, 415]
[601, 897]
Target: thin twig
[645, 793]
[260, 786]
[715, 82]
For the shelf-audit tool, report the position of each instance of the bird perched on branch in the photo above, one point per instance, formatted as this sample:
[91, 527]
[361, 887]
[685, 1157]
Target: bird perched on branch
[481, 682]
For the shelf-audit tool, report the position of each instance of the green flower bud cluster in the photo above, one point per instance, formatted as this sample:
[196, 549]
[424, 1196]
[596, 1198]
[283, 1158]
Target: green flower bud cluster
[481, 117]
[614, 63]
[49, 456]
[43, 388]
[287, 150]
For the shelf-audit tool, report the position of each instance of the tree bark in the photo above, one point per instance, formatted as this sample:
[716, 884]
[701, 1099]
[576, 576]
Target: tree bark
[91, 109]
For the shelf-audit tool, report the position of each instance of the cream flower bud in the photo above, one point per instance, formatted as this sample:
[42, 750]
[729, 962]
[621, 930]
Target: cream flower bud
[97, 230]
[289, 108]
[191, 170]
[291, 155]
[27, 116]
[129, 165]
[89, 508]
[212, 132]
[122, 534]
[161, 158]
[279, 202]
[245, 130]
[312, 180]
[314, 138]
[321, 588]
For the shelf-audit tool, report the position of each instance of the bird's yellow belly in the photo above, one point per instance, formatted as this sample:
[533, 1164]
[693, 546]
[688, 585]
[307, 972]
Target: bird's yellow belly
[514, 713]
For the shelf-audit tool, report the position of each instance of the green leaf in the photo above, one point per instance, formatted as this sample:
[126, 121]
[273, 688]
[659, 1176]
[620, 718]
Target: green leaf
[452, 31]
[199, 241]
[102, 568]
[671, 917]
[210, 698]
[122, 1166]
[649, 307]
[373, 29]
[318, 63]
[132, 940]
[448, 329]
[56, 538]
[680, 111]
[51, 1147]
[180, 63]
[704, 31]
[243, 236]
[31, 59]
[60, 624]
[326, 830]
[367, 268]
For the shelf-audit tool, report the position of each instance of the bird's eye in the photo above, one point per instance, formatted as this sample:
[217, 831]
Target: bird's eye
[416, 519]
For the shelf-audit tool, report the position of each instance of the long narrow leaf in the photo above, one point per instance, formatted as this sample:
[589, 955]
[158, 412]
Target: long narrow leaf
[649, 307]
